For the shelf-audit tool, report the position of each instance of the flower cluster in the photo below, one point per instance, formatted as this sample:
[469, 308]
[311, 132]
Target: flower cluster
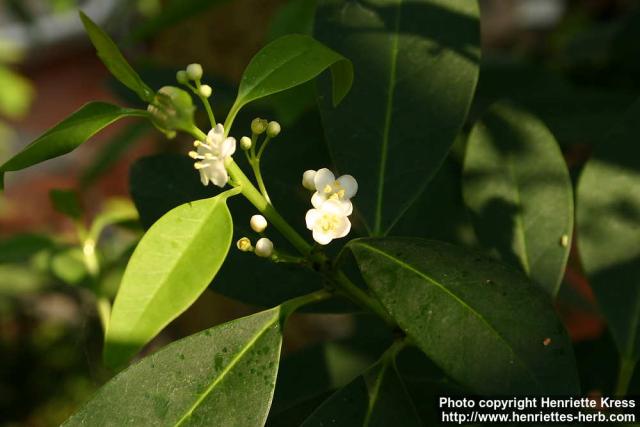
[211, 156]
[331, 200]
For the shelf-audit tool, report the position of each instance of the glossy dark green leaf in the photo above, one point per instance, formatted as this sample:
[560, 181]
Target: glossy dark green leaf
[172, 265]
[378, 398]
[608, 227]
[67, 202]
[223, 376]
[483, 323]
[518, 189]
[289, 62]
[416, 67]
[68, 135]
[114, 61]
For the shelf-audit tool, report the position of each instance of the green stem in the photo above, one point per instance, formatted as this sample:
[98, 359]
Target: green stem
[205, 102]
[255, 165]
[625, 373]
[292, 305]
[349, 289]
[264, 207]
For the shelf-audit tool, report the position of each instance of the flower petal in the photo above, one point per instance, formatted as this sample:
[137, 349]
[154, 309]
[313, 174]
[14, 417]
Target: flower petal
[321, 237]
[203, 177]
[349, 184]
[312, 217]
[317, 200]
[228, 147]
[323, 178]
[342, 229]
[333, 207]
[218, 174]
[215, 136]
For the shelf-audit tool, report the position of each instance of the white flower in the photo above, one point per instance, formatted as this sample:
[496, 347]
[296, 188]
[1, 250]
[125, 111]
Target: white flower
[329, 188]
[264, 248]
[258, 223]
[328, 221]
[307, 180]
[211, 156]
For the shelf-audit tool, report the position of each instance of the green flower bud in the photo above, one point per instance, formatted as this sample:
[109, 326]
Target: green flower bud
[171, 110]
[194, 71]
[245, 143]
[181, 77]
[273, 129]
[258, 126]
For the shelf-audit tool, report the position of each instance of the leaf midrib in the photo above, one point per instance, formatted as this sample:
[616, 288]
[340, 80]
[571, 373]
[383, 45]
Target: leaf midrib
[246, 92]
[461, 302]
[227, 369]
[388, 118]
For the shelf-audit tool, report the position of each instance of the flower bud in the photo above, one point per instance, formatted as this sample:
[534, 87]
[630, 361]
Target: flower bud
[258, 126]
[244, 244]
[205, 90]
[258, 223]
[264, 248]
[181, 77]
[194, 71]
[245, 143]
[273, 129]
[307, 180]
[172, 109]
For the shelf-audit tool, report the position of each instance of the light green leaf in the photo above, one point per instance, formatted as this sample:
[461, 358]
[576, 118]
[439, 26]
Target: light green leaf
[68, 135]
[172, 265]
[114, 61]
[416, 68]
[288, 62]
[608, 227]
[378, 398]
[223, 376]
[484, 324]
[518, 189]
[66, 202]
[16, 94]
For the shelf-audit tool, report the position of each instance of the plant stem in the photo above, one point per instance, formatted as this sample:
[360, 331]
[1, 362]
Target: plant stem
[625, 373]
[103, 307]
[255, 165]
[293, 304]
[264, 207]
[349, 289]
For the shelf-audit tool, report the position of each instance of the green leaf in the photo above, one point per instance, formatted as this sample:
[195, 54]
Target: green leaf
[608, 227]
[378, 398]
[68, 135]
[172, 265]
[66, 202]
[484, 324]
[416, 66]
[288, 62]
[223, 376]
[518, 189]
[68, 265]
[112, 58]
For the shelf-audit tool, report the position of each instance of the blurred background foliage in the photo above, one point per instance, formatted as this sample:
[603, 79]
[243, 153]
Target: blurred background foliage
[574, 64]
